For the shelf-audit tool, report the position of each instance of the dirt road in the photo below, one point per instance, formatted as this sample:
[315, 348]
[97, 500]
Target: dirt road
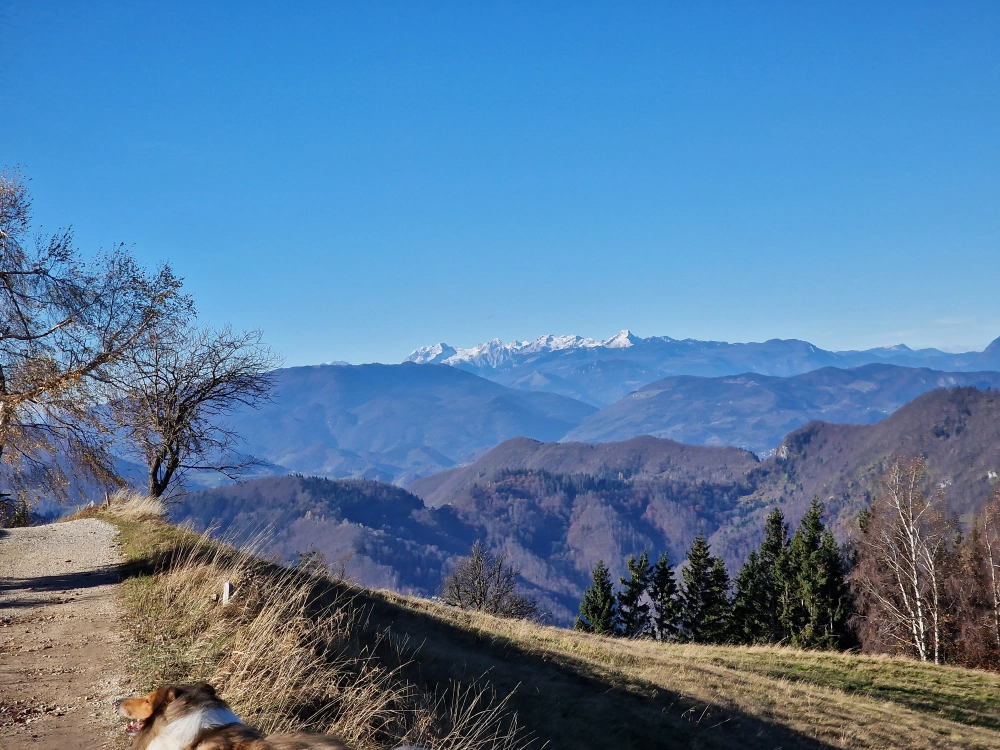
[60, 650]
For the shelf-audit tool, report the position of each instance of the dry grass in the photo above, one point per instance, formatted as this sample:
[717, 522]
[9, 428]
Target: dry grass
[289, 651]
[125, 505]
[696, 694]
[294, 651]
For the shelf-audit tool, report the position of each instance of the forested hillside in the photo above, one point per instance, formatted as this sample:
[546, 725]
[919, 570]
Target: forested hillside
[556, 508]
[399, 423]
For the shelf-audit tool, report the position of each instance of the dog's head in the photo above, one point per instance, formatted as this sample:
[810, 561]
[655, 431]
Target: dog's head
[175, 712]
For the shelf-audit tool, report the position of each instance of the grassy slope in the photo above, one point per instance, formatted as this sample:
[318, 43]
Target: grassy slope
[574, 690]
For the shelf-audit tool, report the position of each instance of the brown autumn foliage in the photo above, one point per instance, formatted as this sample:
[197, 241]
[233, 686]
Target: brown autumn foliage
[64, 321]
[922, 587]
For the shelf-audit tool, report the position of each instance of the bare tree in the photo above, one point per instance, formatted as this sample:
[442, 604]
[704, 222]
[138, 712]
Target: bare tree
[902, 562]
[63, 321]
[170, 396]
[991, 542]
[485, 582]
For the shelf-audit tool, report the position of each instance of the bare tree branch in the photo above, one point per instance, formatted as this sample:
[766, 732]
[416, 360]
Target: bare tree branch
[62, 321]
[486, 582]
[170, 395]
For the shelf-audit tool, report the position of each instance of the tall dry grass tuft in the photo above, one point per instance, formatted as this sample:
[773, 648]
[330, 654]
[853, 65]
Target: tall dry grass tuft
[128, 505]
[289, 654]
[477, 720]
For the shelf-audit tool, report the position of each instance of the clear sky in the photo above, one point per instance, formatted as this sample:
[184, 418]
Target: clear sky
[358, 179]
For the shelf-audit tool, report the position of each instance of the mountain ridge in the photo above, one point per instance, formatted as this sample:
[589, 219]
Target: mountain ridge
[756, 411]
[394, 422]
[602, 372]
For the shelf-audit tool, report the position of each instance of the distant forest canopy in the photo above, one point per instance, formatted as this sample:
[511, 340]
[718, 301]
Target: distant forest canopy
[556, 522]
[910, 582]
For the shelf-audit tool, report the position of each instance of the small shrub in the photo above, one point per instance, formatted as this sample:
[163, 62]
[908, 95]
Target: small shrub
[15, 513]
[485, 582]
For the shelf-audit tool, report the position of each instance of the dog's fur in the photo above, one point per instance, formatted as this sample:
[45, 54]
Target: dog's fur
[193, 717]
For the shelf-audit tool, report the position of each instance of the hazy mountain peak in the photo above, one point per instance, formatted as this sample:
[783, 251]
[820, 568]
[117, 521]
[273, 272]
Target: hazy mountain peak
[894, 349]
[495, 353]
[432, 354]
[621, 340]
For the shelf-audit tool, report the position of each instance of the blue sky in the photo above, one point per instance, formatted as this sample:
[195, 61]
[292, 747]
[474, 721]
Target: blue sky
[358, 179]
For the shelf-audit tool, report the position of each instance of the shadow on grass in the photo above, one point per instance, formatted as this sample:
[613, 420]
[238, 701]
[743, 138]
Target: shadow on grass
[559, 701]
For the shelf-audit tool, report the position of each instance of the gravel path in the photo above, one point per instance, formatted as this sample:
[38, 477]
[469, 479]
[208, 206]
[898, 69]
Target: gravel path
[60, 651]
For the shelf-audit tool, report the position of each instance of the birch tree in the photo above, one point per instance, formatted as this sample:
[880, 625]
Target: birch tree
[991, 541]
[902, 562]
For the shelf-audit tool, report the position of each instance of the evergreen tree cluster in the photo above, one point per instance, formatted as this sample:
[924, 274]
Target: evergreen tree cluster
[790, 590]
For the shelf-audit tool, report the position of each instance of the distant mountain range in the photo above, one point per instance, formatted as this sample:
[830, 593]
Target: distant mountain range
[556, 508]
[756, 411]
[602, 372]
[396, 423]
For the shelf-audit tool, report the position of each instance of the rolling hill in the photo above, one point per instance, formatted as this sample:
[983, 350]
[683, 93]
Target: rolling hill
[556, 508]
[397, 423]
[568, 689]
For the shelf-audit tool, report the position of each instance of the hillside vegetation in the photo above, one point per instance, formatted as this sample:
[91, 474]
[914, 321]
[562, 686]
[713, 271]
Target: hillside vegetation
[394, 654]
[557, 508]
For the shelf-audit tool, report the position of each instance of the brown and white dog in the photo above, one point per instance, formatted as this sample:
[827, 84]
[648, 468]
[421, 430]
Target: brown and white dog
[193, 717]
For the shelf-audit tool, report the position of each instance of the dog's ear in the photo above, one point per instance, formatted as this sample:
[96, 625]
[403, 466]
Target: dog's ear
[204, 687]
[164, 695]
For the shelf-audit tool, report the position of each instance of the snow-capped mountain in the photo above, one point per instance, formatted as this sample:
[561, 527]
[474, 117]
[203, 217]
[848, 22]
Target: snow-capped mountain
[495, 353]
[601, 372]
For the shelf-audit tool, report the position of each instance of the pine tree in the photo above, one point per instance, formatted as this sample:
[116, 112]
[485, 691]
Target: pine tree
[815, 613]
[597, 609]
[704, 602]
[717, 612]
[633, 613]
[762, 586]
[663, 595]
[749, 601]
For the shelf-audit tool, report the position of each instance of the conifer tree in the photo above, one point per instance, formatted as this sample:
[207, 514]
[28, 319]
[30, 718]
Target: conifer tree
[704, 601]
[816, 612]
[717, 623]
[749, 600]
[762, 587]
[633, 612]
[663, 595]
[597, 609]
